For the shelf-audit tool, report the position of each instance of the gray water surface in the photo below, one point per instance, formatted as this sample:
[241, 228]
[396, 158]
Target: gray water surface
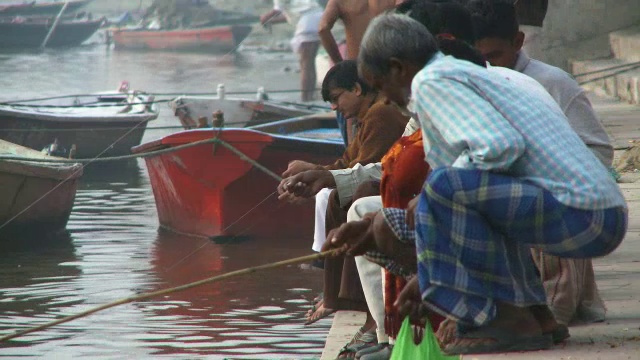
[114, 249]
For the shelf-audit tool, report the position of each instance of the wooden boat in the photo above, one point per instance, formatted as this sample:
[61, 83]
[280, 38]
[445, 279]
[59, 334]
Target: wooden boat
[104, 124]
[238, 111]
[41, 9]
[31, 33]
[35, 197]
[209, 191]
[222, 38]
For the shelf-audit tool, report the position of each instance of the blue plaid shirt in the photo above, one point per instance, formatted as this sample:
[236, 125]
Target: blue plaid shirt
[472, 118]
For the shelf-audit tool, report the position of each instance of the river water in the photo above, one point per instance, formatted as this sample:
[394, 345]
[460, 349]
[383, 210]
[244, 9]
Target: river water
[114, 248]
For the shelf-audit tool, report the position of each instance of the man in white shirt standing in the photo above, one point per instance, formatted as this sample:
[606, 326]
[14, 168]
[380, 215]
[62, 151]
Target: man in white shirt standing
[305, 16]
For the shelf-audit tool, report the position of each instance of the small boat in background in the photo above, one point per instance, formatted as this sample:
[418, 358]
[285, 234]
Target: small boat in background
[33, 8]
[222, 38]
[185, 25]
[102, 124]
[208, 191]
[35, 197]
[20, 33]
[197, 111]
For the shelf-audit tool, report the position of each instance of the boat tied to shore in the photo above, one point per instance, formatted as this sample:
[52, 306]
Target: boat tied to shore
[33, 8]
[180, 25]
[100, 124]
[195, 111]
[36, 198]
[30, 33]
[208, 190]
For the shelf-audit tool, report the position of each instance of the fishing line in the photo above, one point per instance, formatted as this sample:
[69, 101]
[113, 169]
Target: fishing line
[149, 295]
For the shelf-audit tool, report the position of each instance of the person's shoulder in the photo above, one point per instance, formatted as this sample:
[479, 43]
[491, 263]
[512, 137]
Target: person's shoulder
[384, 110]
[552, 77]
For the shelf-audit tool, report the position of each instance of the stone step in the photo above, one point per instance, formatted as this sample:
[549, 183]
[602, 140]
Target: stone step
[625, 44]
[624, 85]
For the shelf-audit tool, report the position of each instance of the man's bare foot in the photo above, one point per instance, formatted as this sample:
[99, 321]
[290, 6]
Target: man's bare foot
[446, 332]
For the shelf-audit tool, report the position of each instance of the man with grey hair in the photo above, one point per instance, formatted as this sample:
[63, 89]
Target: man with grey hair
[509, 174]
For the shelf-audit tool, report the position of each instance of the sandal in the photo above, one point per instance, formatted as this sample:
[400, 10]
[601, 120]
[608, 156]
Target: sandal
[318, 313]
[505, 341]
[559, 334]
[361, 340]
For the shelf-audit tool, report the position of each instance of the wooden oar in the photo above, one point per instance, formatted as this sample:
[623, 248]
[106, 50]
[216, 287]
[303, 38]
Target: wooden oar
[150, 295]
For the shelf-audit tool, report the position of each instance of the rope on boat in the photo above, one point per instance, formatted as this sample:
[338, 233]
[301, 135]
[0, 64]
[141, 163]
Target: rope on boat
[149, 295]
[20, 102]
[94, 129]
[110, 158]
[240, 154]
[244, 157]
[173, 127]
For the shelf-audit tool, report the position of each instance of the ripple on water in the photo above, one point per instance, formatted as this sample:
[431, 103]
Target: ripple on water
[115, 250]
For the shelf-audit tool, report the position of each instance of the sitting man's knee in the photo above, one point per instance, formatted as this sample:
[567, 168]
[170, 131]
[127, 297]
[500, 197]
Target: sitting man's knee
[363, 206]
[369, 188]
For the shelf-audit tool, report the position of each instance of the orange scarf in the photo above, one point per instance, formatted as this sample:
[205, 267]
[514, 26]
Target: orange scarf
[404, 174]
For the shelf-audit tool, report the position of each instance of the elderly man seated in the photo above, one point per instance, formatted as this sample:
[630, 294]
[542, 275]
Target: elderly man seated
[509, 174]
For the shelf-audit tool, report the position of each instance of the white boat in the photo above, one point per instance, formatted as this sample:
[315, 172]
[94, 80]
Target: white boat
[35, 197]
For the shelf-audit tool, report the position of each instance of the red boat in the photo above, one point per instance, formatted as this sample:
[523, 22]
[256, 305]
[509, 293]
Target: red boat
[208, 191]
[212, 39]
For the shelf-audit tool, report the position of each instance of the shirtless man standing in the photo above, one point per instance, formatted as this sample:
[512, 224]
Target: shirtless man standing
[355, 14]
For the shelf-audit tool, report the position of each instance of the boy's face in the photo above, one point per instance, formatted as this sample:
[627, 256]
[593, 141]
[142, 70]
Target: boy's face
[348, 102]
[500, 52]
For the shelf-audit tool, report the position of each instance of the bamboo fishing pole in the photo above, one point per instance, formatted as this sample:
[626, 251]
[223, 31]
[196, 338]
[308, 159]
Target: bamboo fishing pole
[149, 295]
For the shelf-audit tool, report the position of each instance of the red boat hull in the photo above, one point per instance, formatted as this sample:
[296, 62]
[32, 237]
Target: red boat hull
[218, 38]
[209, 191]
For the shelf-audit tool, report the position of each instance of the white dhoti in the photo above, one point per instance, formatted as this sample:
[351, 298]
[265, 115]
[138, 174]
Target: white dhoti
[370, 273]
[306, 29]
[319, 234]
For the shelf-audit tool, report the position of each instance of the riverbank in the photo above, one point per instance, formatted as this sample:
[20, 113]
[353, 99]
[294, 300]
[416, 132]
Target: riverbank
[619, 336]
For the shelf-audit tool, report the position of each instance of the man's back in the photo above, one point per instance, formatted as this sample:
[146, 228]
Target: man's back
[356, 15]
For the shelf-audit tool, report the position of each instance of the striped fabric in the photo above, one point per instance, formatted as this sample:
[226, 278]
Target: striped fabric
[474, 119]
[474, 232]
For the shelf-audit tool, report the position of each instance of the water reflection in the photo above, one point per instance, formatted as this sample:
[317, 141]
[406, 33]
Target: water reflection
[114, 249]
[258, 315]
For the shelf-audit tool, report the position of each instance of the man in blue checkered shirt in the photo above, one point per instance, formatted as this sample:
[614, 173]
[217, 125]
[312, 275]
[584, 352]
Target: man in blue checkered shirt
[509, 175]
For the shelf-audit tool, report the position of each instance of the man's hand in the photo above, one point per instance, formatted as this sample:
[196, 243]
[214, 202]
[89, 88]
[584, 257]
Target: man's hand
[411, 212]
[306, 184]
[409, 302]
[353, 238]
[270, 17]
[292, 199]
[297, 166]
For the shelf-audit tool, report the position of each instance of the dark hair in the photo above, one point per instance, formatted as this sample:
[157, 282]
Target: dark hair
[343, 75]
[446, 17]
[494, 19]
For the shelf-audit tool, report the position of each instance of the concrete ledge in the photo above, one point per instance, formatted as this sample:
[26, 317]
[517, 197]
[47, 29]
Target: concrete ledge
[345, 325]
[625, 86]
[625, 43]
